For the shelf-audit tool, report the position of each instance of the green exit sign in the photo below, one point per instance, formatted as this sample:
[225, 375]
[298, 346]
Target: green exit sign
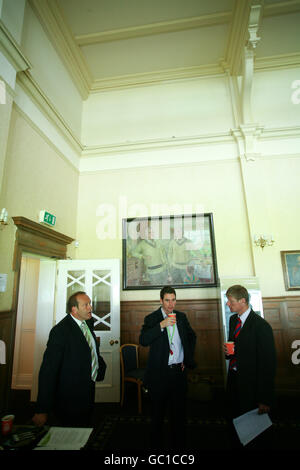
[47, 218]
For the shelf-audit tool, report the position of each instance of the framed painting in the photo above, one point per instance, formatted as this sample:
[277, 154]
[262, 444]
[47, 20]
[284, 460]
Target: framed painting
[169, 250]
[291, 269]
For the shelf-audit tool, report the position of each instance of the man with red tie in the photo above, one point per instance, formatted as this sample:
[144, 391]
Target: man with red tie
[251, 371]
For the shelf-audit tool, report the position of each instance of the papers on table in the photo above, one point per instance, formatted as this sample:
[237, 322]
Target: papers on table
[64, 439]
[250, 425]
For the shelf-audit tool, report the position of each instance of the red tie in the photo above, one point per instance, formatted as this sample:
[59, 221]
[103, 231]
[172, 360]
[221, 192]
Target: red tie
[237, 330]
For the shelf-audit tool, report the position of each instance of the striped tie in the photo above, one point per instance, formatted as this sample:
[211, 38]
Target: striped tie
[87, 334]
[237, 330]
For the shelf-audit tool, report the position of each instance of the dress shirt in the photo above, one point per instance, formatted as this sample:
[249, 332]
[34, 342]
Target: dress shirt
[244, 316]
[177, 356]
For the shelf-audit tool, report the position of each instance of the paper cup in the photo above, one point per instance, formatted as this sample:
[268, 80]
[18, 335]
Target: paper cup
[7, 424]
[230, 347]
[172, 315]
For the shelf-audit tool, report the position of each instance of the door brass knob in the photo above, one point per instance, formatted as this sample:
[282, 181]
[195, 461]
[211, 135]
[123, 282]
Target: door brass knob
[112, 342]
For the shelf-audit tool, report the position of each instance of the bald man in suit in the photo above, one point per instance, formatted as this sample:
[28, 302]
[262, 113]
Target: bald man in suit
[66, 385]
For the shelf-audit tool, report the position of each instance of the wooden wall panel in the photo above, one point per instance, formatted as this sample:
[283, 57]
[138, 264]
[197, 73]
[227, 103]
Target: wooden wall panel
[6, 324]
[283, 314]
[204, 319]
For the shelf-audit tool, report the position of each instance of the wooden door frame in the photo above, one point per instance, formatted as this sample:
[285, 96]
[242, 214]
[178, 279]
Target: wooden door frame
[31, 237]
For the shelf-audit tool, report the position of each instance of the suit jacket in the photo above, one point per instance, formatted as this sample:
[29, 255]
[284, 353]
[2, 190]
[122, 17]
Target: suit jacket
[151, 335]
[65, 375]
[256, 361]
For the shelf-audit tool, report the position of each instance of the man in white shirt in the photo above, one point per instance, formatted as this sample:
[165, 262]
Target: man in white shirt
[172, 343]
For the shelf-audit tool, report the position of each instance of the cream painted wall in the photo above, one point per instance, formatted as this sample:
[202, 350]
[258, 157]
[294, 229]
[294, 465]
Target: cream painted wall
[12, 15]
[49, 72]
[247, 198]
[273, 103]
[214, 187]
[7, 84]
[7, 72]
[163, 111]
[5, 113]
[243, 195]
[273, 194]
[36, 177]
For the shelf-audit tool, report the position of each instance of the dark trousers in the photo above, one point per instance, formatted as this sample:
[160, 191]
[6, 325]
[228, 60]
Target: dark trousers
[232, 396]
[169, 401]
[234, 409]
[79, 415]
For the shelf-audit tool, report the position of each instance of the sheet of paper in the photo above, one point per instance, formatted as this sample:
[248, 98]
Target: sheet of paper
[250, 425]
[64, 439]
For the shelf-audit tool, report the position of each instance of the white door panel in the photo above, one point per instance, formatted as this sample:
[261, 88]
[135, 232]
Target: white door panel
[100, 279]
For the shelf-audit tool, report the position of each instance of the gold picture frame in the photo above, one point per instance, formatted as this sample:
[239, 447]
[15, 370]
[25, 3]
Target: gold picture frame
[169, 250]
[291, 269]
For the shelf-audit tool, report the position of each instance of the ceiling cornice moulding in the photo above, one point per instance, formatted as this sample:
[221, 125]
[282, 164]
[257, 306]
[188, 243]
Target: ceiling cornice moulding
[154, 28]
[145, 79]
[50, 16]
[11, 50]
[277, 62]
[32, 89]
[282, 8]
[238, 36]
[148, 145]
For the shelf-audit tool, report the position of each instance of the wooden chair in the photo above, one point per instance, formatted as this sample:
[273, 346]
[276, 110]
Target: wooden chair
[130, 371]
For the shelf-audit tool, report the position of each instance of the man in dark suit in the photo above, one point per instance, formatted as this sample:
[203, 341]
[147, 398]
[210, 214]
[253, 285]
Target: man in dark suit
[251, 372]
[70, 368]
[172, 344]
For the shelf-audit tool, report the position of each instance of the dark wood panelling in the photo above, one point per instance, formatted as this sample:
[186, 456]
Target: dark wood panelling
[6, 321]
[204, 318]
[283, 314]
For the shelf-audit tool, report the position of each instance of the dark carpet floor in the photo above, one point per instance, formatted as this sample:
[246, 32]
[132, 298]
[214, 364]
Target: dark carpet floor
[122, 429]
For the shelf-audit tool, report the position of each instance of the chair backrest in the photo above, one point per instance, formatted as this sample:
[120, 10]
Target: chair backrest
[129, 357]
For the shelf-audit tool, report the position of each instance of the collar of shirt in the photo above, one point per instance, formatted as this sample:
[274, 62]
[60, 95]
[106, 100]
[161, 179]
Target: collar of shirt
[244, 316]
[76, 320]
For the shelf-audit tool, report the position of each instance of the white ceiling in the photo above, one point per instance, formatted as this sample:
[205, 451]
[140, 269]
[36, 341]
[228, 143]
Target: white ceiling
[116, 43]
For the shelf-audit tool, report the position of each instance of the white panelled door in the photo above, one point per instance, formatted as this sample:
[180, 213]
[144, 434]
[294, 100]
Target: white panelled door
[100, 279]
